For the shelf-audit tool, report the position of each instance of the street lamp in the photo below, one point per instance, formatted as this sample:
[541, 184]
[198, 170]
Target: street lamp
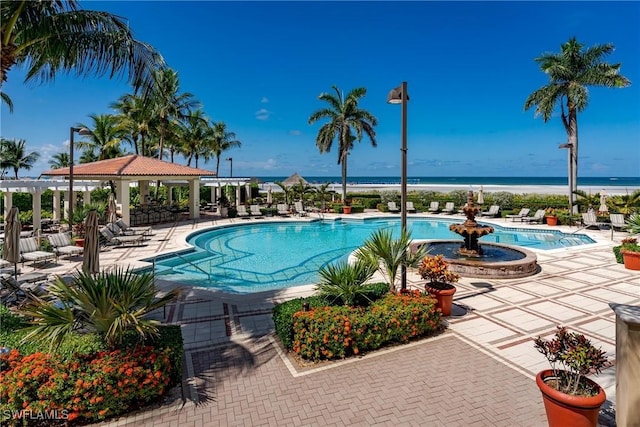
[399, 95]
[81, 132]
[569, 147]
[230, 159]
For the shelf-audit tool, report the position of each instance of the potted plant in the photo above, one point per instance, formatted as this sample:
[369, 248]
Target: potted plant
[346, 207]
[223, 202]
[630, 251]
[440, 281]
[570, 398]
[551, 217]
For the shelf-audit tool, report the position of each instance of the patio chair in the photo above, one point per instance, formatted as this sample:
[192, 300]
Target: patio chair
[392, 207]
[494, 211]
[589, 220]
[434, 207]
[145, 230]
[537, 217]
[410, 208]
[283, 209]
[242, 212]
[111, 239]
[30, 251]
[523, 213]
[449, 208]
[617, 221]
[19, 293]
[299, 209]
[62, 245]
[254, 210]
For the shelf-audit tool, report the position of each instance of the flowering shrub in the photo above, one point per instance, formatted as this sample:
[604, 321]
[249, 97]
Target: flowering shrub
[89, 388]
[436, 269]
[339, 332]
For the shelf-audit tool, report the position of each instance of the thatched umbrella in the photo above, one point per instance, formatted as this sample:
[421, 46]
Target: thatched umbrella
[294, 179]
[11, 248]
[91, 258]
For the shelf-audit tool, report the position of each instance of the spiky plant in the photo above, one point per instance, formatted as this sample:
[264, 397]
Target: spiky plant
[345, 282]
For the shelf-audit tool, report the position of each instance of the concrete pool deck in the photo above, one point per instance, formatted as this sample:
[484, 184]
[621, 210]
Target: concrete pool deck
[479, 372]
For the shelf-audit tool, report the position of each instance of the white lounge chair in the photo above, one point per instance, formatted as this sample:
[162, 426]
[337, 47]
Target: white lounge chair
[523, 213]
[494, 211]
[617, 221]
[392, 207]
[410, 207]
[121, 240]
[30, 251]
[589, 219]
[537, 217]
[255, 211]
[449, 208]
[283, 209]
[242, 212]
[300, 209]
[434, 207]
[146, 230]
[62, 245]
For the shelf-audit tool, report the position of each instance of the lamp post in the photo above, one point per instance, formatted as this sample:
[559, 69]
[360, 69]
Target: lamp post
[230, 159]
[569, 147]
[399, 95]
[82, 132]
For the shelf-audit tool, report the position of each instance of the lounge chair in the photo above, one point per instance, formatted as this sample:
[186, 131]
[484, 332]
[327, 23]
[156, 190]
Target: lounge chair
[392, 207]
[62, 245]
[537, 217]
[242, 212]
[300, 209]
[30, 251]
[283, 209]
[449, 208]
[523, 213]
[494, 211]
[617, 221]
[410, 207]
[146, 230]
[111, 239]
[19, 293]
[589, 219]
[434, 207]
[255, 211]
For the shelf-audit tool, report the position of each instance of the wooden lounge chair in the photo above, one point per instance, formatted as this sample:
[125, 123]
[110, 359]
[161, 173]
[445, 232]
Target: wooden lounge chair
[537, 217]
[434, 207]
[449, 208]
[523, 213]
[62, 245]
[589, 219]
[120, 240]
[617, 221]
[299, 209]
[392, 207]
[30, 251]
[494, 211]
[410, 207]
[255, 211]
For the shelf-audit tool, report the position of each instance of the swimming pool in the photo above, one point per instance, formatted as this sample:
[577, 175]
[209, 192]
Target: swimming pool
[261, 256]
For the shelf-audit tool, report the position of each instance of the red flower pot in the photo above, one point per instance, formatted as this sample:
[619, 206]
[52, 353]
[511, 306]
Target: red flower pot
[565, 410]
[443, 293]
[346, 209]
[631, 260]
[552, 220]
[80, 242]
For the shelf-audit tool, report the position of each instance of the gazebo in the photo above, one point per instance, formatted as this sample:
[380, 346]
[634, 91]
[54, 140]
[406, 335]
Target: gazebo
[135, 168]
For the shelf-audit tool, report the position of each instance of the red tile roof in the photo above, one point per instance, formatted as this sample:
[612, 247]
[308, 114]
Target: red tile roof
[132, 165]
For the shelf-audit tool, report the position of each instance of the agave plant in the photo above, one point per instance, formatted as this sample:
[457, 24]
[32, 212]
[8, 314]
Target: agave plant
[344, 281]
[388, 254]
[110, 303]
[633, 223]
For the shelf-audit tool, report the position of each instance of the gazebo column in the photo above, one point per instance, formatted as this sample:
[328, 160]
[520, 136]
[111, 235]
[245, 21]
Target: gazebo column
[67, 199]
[169, 194]
[86, 197]
[8, 202]
[36, 207]
[122, 197]
[194, 198]
[143, 186]
[238, 193]
[214, 194]
[56, 205]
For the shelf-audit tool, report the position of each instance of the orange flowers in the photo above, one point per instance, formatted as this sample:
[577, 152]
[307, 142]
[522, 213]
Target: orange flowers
[436, 269]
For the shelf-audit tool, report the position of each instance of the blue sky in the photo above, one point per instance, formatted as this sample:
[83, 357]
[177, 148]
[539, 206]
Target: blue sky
[260, 66]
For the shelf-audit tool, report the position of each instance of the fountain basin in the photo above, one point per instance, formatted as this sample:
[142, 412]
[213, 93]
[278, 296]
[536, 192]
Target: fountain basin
[496, 262]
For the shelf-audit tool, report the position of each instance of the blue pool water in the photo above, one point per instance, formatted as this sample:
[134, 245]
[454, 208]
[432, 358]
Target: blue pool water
[261, 256]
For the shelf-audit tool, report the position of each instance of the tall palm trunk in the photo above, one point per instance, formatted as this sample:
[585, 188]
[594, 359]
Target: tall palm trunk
[344, 176]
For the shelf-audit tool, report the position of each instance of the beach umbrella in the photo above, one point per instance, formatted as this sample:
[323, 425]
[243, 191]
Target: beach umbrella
[111, 209]
[11, 248]
[603, 203]
[480, 196]
[91, 258]
[269, 196]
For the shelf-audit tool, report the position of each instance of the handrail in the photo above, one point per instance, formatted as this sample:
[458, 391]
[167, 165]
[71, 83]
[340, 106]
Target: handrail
[192, 264]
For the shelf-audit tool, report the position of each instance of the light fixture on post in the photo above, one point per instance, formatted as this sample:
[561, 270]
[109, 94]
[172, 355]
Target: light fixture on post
[81, 132]
[230, 159]
[399, 95]
[569, 147]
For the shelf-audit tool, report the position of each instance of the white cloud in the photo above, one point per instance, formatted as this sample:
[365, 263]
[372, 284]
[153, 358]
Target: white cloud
[295, 132]
[263, 114]
[264, 100]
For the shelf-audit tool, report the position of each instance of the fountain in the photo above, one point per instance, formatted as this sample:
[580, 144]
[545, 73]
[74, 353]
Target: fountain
[488, 260]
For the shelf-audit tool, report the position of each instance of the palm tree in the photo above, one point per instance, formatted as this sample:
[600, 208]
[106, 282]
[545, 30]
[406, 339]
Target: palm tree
[60, 160]
[135, 119]
[222, 141]
[14, 156]
[168, 103]
[195, 133]
[53, 36]
[627, 203]
[586, 200]
[570, 72]
[344, 119]
[105, 137]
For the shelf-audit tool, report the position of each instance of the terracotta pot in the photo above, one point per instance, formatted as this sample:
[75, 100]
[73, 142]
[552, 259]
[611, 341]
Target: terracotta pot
[631, 260]
[443, 293]
[566, 410]
[552, 220]
[346, 209]
[80, 243]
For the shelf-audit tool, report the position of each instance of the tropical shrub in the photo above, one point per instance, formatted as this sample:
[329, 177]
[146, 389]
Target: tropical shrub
[283, 316]
[343, 283]
[339, 332]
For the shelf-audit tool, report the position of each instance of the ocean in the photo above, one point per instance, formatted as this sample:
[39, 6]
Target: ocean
[470, 180]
